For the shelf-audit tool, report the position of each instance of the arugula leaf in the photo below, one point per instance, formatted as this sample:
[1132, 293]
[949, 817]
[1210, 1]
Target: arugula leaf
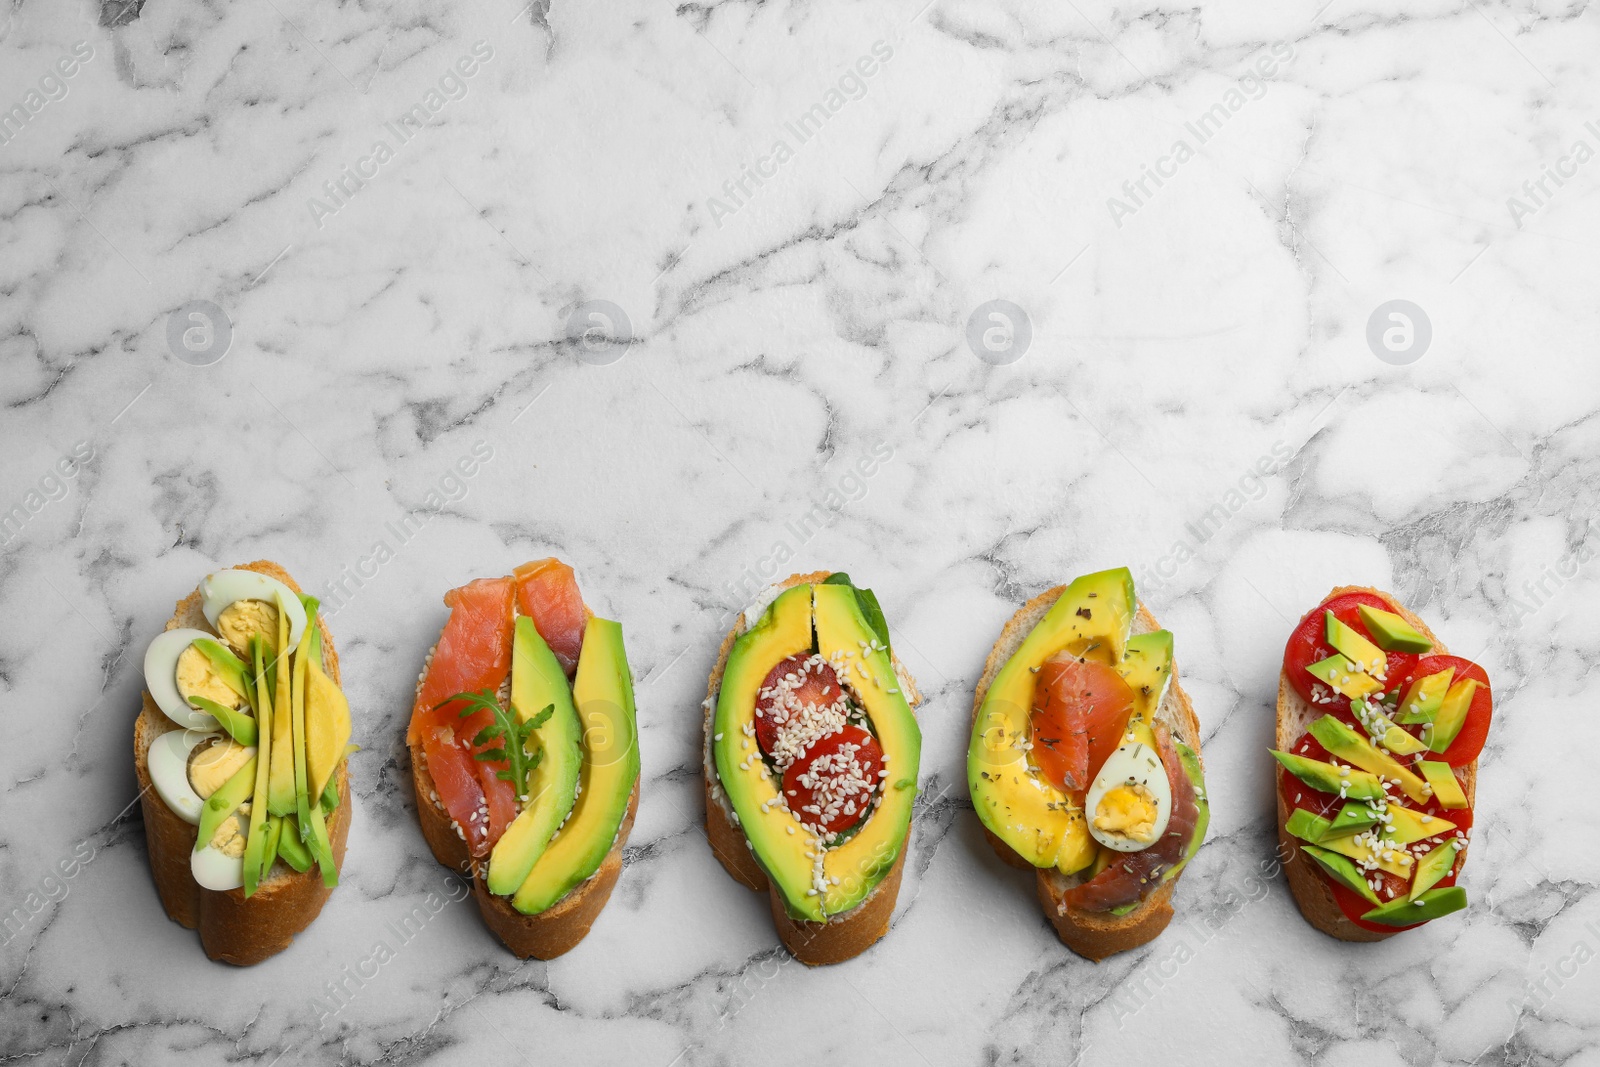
[512, 735]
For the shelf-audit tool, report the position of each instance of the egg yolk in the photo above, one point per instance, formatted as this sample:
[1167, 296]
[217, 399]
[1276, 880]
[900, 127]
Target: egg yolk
[239, 620]
[1127, 810]
[212, 765]
[197, 678]
[232, 835]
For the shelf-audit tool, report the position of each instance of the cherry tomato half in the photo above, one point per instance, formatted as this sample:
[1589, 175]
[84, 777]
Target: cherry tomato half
[819, 687]
[1308, 644]
[830, 786]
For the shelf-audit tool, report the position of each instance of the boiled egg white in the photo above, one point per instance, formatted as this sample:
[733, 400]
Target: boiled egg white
[168, 760]
[161, 677]
[215, 868]
[221, 590]
[1130, 801]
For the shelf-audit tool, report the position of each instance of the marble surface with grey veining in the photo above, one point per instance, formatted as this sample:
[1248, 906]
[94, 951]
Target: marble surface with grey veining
[714, 286]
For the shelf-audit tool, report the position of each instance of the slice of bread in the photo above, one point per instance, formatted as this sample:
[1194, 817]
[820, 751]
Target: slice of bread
[232, 928]
[552, 932]
[842, 936]
[1306, 880]
[1094, 935]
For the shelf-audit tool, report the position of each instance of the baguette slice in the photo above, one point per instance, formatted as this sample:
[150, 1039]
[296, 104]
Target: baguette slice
[1306, 881]
[1091, 934]
[232, 929]
[552, 932]
[842, 936]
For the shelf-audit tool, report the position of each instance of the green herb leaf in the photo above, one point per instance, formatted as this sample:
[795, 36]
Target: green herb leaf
[870, 611]
[512, 735]
[837, 578]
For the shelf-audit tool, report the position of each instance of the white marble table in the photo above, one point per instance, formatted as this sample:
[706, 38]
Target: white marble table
[802, 212]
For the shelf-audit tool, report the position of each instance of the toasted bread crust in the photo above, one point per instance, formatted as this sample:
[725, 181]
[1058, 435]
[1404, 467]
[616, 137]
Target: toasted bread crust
[232, 929]
[556, 930]
[842, 936]
[1306, 881]
[1093, 935]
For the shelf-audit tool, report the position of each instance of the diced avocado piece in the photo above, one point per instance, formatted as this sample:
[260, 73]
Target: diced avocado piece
[1402, 911]
[1423, 697]
[1446, 787]
[1362, 848]
[298, 680]
[778, 840]
[1363, 653]
[256, 841]
[1452, 714]
[225, 801]
[1432, 868]
[537, 683]
[1092, 618]
[1348, 782]
[1147, 668]
[1391, 632]
[602, 693]
[1397, 739]
[280, 784]
[238, 725]
[229, 668]
[855, 867]
[291, 849]
[1306, 825]
[1405, 826]
[1341, 870]
[1354, 817]
[1340, 740]
[1343, 676]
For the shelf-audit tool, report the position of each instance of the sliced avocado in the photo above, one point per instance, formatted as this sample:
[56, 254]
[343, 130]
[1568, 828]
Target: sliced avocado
[238, 725]
[1354, 817]
[844, 635]
[291, 849]
[298, 680]
[314, 648]
[280, 783]
[537, 683]
[1341, 870]
[269, 854]
[1344, 677]
[1432, 868]
[1452, 714]
[1402, 911]
[1340, 740]
[330, 798]
[225, 801]
[1423, 697]
[1405, 826]
[1092, 618]
[1363, 653]
[1147, 668]
[256, 841]
[229, 668]
[327, 728]
[1362, 849]
[1348, 782]
[1391, 632]
[1396, 739]
[778, 840]
[602, 693]
[1306, 825]
[1446, 786]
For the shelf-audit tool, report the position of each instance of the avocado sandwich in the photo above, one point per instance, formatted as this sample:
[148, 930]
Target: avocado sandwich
[810, 759]
[240, 751]
[524, 754]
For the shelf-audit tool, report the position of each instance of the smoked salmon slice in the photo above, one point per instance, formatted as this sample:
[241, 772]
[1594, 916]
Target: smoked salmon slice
[474, 652]
[1126, 880]
[547, 592]
[456, 784]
